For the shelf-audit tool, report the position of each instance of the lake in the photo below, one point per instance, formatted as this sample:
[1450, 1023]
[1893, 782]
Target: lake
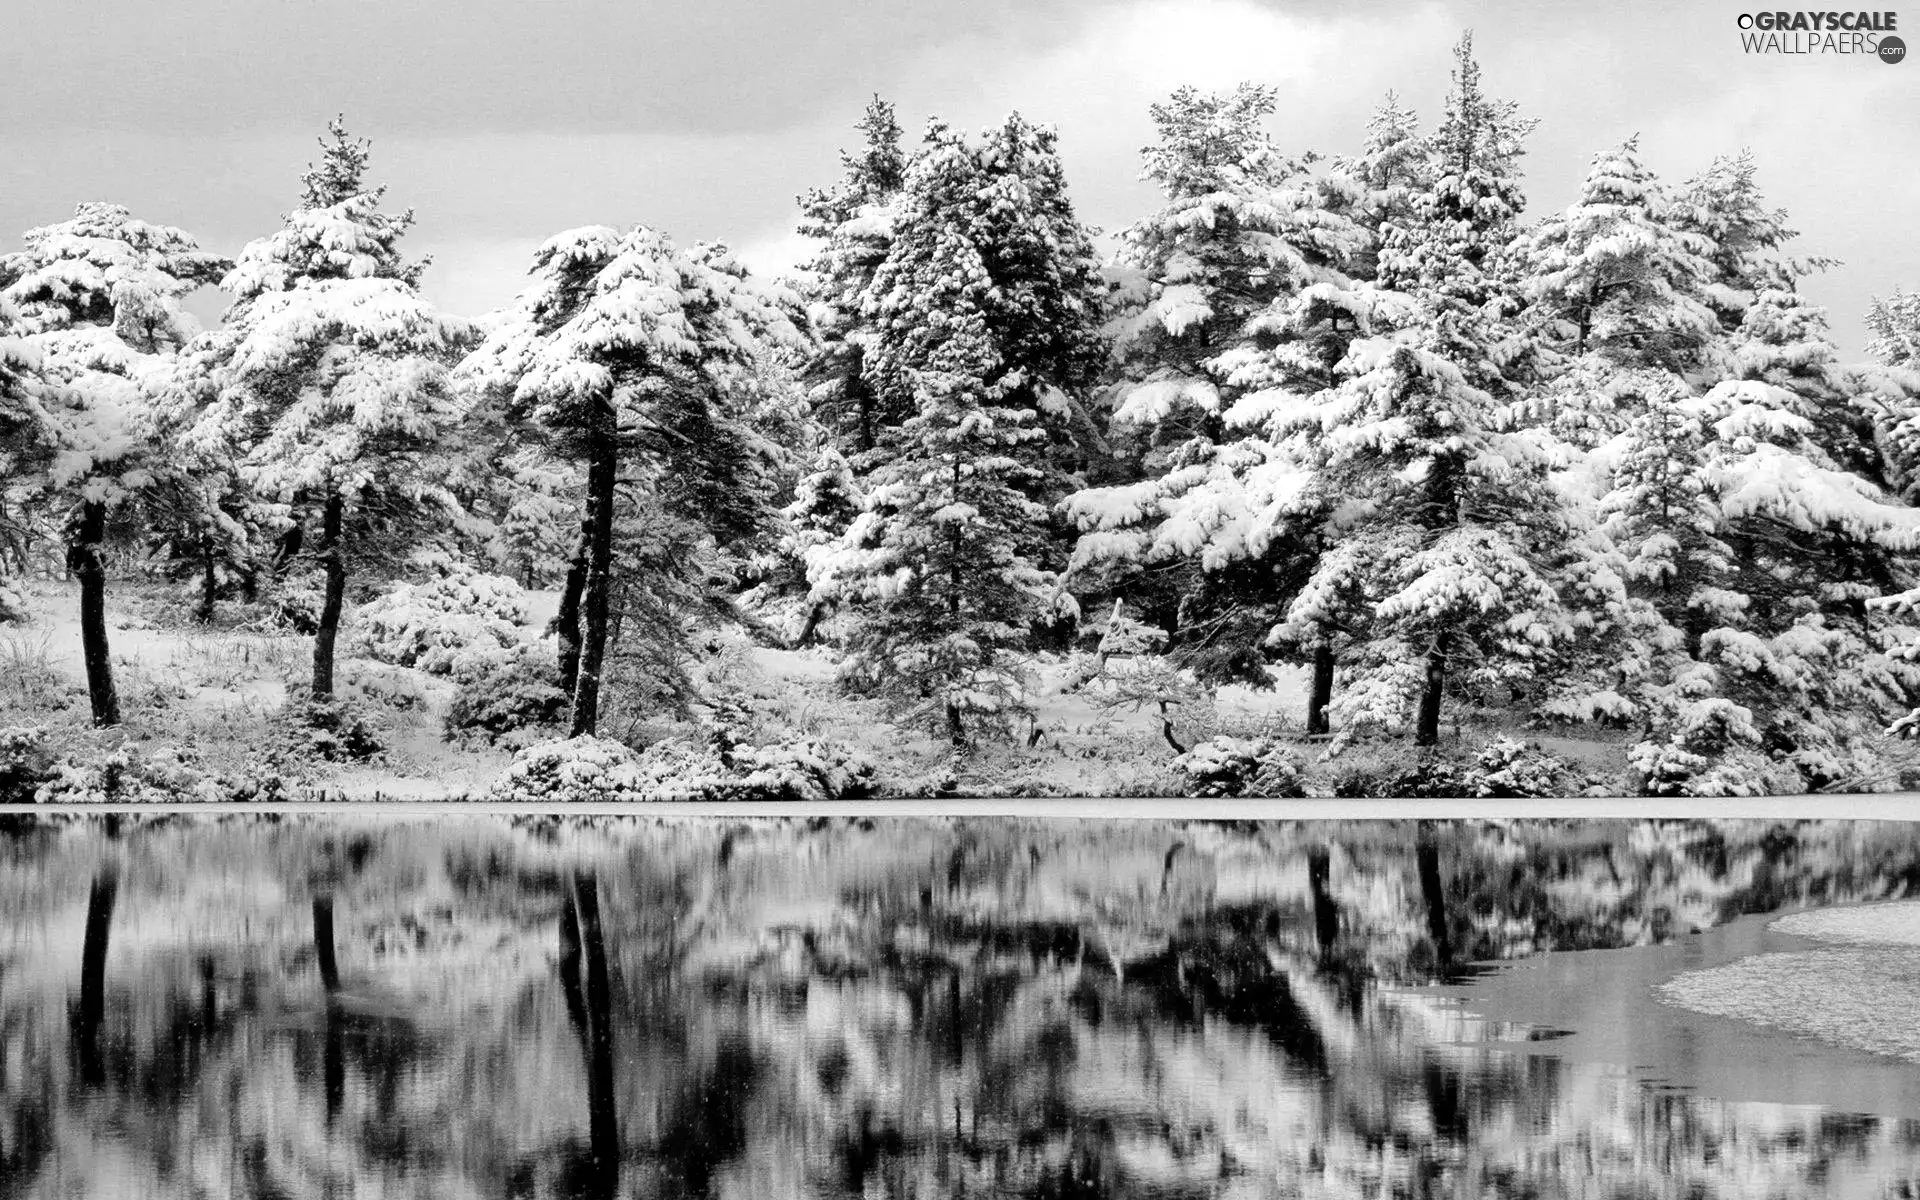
[343, 1005]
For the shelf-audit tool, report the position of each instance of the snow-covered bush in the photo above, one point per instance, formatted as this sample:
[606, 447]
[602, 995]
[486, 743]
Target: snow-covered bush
[383, 684]
[1509, 768]
[13, 603]
[1230, 766]
[596, 770]
[293, 603]
[438, 625]
[332, 730]
[23, 763]
[806, 769]
[126, 775]
[582, 770]
[506, 693]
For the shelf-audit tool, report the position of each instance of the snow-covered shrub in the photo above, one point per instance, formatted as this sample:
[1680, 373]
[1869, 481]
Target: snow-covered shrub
[293, 603]
[124, 775]
[806, 769]
[596, 770]
[438, 625]
[13, 603]
[379, 683]
[23, 763]
[1230, 766]
[502, 694]
[582, 770]
[334, 730]
[1508, 768]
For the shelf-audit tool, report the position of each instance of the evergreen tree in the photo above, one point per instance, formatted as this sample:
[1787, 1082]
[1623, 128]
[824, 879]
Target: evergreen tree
[1441, 530]
[1619, 275]
[1234, 285]
[854, 222]
[986, 309]
[1895, 326]
[634, 356]
[328, 385]
[98, 297]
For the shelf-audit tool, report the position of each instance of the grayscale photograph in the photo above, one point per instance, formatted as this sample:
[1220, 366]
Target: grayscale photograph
[355, 1007]
[817, 401]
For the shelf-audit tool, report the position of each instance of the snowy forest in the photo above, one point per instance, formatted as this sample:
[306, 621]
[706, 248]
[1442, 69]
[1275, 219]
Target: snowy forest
[1335, 474]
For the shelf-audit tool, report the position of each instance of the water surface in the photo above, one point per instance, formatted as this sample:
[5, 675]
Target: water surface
[350, 1006]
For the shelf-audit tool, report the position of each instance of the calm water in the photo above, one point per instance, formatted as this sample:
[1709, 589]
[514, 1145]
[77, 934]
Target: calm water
[337, 1007]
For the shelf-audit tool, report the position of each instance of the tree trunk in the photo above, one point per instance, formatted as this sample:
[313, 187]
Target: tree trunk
[209, 581]
[1322, 693]
[956, 729]
[603, 1118]
[1427, 730]
[597, 602]
[1166, 730]
[83, 558]
[323, 943]
[815, 614]
[566, 621]
[334, 562]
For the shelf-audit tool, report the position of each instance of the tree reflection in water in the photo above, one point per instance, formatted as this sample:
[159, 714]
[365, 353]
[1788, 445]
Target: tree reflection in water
[354, 1007]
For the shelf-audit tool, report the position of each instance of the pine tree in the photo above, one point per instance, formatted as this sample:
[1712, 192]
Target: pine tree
[1895, 326]
[986, 309]
[1441, 530]
[98, 297]
[1391, 173]
[633, 354]
[1234, 285]
[853, 221]
[328, 384]
[1618, 274]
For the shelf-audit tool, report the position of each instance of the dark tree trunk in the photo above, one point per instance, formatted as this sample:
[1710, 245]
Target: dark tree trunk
[598, 601]
[1326, 915]
[249, 585]
[1433, 891]
[1166, 730]
[815, 614]
[566, 621]
[956, 728]
[1427, 730]
[603, 1119]
[84, 559]
[1322, 693]
[334, 562]
[209, 581]
[93, 951]
[323, 942]
[291, 543]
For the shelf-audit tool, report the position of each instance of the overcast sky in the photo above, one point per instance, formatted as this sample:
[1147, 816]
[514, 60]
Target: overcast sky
[504, 122]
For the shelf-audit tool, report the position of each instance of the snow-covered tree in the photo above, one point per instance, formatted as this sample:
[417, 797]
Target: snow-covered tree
[986, 310]
[1236, 283]
[1441, 530]
[637, 356]
[99, 299]
[1895, 325]
[1745, 238]
[328, 384]
[1392, 171]
[853, 223]
[1619, 274]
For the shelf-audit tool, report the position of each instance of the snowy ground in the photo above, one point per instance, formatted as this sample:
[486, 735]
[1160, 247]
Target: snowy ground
[211, 690]
[210, 693]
